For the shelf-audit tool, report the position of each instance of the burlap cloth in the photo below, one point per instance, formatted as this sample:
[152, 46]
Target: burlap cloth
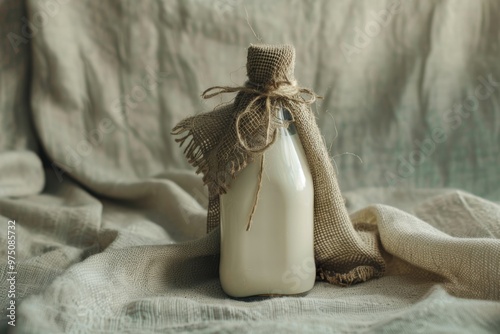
[222, 142]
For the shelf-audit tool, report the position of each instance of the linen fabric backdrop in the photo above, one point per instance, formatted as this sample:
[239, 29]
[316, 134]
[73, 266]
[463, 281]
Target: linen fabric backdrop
[110, 218]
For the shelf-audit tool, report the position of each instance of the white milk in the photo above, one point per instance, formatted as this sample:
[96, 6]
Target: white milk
[276, 256]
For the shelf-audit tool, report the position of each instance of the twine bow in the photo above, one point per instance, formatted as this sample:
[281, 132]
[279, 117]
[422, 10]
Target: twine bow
[286, 90]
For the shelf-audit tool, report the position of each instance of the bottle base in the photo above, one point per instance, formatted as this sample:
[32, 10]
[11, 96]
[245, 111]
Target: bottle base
[268, 295]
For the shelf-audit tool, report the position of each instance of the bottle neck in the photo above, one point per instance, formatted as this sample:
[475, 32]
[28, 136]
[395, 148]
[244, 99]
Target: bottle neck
[283, 115]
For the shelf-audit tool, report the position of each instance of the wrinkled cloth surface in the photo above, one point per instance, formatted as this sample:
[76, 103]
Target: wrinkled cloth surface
[110, 218]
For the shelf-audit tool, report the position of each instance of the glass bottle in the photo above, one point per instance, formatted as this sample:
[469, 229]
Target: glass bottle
[276, 256]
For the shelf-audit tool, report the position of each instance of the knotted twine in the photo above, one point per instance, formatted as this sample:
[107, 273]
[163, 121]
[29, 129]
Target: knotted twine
[221, 143]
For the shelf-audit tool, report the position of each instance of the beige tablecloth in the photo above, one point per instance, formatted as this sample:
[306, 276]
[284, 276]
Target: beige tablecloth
[110, 220]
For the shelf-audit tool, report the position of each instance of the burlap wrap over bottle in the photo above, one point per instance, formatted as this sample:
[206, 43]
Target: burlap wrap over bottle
[222, 142]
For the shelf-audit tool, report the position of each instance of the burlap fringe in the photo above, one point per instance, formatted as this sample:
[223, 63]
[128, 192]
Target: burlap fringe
[192, 151]
[218, 182]
[357, 275]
